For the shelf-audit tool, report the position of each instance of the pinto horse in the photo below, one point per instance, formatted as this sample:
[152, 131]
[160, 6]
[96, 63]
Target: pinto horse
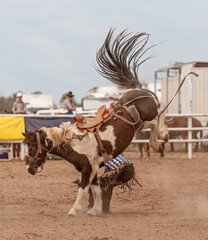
[135, 110]
[116, 134]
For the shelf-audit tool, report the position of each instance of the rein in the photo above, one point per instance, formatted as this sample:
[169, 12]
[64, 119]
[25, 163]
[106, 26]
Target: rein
[136, 98]
[195, 74]
[39, 150]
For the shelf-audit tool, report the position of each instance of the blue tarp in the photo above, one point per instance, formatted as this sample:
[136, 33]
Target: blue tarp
[38, 122]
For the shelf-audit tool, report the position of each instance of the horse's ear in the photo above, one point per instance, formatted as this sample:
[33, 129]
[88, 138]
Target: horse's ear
[25, 134]
[42, 134]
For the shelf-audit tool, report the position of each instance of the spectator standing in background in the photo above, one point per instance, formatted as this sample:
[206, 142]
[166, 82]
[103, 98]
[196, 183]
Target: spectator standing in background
[68, 104]
[19, 107]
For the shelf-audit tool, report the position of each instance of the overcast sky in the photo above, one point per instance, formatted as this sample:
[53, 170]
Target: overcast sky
[50, 45]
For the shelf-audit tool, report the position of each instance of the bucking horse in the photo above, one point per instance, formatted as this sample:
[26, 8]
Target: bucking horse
[91, 142]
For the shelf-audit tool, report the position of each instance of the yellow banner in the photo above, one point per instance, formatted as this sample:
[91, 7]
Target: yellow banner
[11, 128]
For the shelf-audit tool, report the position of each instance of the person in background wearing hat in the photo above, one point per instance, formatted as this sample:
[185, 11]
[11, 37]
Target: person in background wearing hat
[19, 107]
[68, 104]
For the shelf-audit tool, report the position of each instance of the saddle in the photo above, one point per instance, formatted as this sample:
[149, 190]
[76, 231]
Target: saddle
[85, 124]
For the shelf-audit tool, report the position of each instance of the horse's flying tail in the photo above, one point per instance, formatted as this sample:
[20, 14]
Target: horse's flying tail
[120, 59]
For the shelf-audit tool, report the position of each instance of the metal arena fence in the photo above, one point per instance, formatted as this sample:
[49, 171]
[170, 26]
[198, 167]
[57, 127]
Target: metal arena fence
[189, 140]
[189, 129]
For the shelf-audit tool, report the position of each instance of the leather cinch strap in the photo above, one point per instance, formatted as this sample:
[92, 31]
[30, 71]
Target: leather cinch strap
[106, 158]
[126, 120]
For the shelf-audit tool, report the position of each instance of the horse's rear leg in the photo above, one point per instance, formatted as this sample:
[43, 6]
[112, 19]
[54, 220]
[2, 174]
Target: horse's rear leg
[186, 147]
[197, 144]
[172, 147]
[147, 150]
[196, 147]
[140, 146]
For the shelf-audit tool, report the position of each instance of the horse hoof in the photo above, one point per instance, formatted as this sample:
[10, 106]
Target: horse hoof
[72, 212]
[93, 212]
[86, 210]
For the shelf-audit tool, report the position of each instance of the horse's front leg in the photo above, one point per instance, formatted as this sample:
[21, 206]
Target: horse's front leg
[97, 196]
[82, 192]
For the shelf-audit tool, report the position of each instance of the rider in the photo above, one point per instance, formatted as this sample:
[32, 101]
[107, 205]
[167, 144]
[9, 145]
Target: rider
[118, 171]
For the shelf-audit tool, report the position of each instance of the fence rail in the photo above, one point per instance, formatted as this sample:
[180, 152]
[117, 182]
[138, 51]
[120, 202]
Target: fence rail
[189, 140]
[189, 129]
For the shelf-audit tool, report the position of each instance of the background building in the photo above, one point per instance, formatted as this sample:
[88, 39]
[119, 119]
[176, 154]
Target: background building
[35, 102]
[193, 96]
[99, 96]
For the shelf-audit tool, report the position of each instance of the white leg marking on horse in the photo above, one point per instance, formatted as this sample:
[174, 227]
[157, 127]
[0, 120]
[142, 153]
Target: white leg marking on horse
[78, 205]
[39, 169]
[95, 168]
[26, 154]
[46, 142]
[97, 208]
[26, 150]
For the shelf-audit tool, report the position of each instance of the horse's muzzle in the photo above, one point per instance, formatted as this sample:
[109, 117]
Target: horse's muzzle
[32, 170]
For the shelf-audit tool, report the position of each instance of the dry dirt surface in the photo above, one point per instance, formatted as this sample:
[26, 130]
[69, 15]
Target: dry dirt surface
[173, 203]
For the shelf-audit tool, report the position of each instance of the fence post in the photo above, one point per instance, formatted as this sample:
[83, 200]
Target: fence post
[22, 151]
[190, 121]
[189, 138]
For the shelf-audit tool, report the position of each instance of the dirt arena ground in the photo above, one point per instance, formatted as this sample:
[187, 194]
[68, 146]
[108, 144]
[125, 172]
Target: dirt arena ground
[173, 203]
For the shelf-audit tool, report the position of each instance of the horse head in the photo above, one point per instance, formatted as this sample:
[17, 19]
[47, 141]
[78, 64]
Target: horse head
[35, 150]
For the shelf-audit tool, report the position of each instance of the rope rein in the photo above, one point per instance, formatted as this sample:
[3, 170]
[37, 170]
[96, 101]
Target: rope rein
[193, 73]
[136, 98]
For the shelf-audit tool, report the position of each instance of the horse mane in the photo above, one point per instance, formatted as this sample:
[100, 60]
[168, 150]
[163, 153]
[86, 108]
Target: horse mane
[60, 135]
[119, 60]
[54, 134]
